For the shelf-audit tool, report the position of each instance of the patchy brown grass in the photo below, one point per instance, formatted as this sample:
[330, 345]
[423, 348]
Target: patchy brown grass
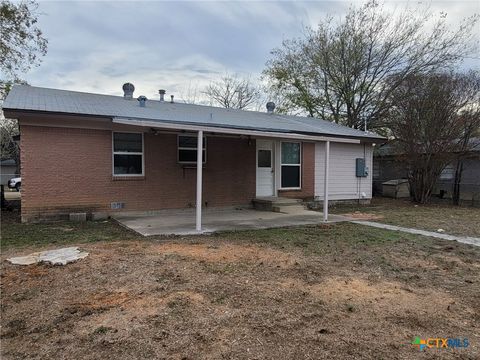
[328, 292]
[229, 253]
[454, 220]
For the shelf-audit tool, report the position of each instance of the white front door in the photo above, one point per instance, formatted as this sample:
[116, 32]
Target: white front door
[265, 168]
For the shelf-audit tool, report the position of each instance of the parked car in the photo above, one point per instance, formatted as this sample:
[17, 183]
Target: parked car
[15, 183]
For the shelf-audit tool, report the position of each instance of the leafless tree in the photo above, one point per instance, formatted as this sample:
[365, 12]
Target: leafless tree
[190, 94]
[233, 92]
[432, 119]
[342, 71]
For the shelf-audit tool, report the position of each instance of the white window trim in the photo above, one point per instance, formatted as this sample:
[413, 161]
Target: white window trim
[128, 153]
[204, 142]
[448, 173]
[299, 165]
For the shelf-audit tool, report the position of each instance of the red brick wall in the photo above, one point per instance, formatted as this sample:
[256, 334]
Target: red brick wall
[308, 175]
[70, 169]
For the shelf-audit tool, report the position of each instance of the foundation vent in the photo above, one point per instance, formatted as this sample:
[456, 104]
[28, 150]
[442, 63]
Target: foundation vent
[117, 205]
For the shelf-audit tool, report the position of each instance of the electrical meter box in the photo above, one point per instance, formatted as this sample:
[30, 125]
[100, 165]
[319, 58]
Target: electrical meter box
[361, 169]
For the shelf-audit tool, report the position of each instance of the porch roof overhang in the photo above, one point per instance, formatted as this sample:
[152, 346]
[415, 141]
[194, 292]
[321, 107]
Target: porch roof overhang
[166, 125]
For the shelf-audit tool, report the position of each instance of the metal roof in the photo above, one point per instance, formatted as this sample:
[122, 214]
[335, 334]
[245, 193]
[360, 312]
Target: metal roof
[30, 98]
[8, 162]
[394, 148]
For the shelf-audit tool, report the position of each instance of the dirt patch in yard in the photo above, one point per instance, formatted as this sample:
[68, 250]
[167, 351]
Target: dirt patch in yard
[230, 253]
[104, 300]
[339, 292]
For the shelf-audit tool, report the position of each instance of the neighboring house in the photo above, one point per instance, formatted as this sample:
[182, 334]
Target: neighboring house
[8, 170]
[388, 164]
[84, 152]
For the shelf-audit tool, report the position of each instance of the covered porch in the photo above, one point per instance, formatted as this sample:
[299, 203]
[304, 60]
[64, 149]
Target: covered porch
[279, 167]
[183, 222]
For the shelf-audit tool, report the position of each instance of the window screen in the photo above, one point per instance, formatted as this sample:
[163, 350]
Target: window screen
[448, 173]
[290, 165]
[127, 154]
[187, 149]
[290, 176]
[128, 164]
[189, 156]
[290, 153]
[126, 142]
[188, 142]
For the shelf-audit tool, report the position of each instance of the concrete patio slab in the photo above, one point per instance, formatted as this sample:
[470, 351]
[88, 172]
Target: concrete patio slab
[182, 222]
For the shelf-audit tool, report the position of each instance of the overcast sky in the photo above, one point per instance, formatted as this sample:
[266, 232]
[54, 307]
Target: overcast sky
[177, 46]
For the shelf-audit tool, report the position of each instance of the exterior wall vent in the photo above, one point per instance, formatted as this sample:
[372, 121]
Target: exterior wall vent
[117, 205]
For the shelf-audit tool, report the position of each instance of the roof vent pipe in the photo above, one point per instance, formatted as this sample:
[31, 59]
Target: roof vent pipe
[142, 100]
[128, 90]
[171, 96]
[270, 107]
[162, 94]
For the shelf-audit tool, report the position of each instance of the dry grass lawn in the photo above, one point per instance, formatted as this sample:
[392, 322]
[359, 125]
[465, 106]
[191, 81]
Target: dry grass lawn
[455, 220]
[343, 291]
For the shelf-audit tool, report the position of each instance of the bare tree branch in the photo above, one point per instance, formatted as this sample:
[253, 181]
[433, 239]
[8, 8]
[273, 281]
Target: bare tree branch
[343, 71]
[233, 92]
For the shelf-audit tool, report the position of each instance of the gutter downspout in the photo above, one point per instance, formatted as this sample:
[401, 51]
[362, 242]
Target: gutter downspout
[198, 223]
[325, 183]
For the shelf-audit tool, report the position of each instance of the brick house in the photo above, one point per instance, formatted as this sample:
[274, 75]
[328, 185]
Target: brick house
[83, 152]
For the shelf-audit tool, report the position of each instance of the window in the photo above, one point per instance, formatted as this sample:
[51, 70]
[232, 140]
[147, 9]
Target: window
[187, 149]
[290, 165]
[264, 158]
[127, 154]
[448, 173]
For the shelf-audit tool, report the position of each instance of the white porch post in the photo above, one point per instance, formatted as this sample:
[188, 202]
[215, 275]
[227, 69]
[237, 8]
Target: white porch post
[198, 223]
[325, 183]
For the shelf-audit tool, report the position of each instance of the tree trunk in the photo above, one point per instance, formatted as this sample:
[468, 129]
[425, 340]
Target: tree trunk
[422, 182]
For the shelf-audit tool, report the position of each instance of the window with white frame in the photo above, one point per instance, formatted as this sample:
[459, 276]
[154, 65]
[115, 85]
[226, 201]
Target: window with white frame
[127, 154]
[290, 164]
[448, 173]
[187, 149]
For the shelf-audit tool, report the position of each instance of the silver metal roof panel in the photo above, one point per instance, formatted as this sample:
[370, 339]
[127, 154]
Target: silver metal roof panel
[30, 98]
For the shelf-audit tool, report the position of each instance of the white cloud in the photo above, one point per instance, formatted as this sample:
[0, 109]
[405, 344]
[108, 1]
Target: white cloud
[97, 46]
